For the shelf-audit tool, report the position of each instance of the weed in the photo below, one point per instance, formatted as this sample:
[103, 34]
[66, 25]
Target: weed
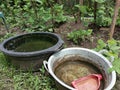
[79, 35]
[10, 79]
[31, 81]
[111, 51]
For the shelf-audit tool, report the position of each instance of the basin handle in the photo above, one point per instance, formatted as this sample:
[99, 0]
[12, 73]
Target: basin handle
[45, 63]
[106, 51]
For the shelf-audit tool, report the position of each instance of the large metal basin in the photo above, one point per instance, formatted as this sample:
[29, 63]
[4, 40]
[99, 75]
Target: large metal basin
[94, 57]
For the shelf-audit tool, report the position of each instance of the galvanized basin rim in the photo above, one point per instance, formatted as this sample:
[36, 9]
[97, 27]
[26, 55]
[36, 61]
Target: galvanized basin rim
[51, 60]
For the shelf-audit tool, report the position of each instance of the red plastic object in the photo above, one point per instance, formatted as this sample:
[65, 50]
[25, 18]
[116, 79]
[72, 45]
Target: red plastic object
[91, 82]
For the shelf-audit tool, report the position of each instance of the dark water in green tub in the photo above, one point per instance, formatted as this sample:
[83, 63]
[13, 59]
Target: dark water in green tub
[34, 45]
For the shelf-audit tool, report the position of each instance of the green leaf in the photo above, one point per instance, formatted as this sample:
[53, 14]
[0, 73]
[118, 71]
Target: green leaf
[83, 9]
[40, 1]
[101, 44]
[112, 43]
[79, 35]
[116, 65]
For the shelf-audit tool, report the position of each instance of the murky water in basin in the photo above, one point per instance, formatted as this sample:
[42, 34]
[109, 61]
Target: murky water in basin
[70, 70]
[34, 46]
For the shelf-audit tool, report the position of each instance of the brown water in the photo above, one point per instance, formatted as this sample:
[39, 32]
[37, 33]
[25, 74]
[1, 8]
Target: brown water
[34, 45]
[70, 70]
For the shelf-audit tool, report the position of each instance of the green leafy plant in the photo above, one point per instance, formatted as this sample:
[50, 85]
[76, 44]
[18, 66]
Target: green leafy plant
[31, 81]
[111, 51]
[58, 13]
[82, 8]
[7, 35]
[87, 20]
[79, 35]
[41, 15]
[34, 15]
[100, 45]
[102, 18]
[112, 46]
[104, 13]
[79, 11]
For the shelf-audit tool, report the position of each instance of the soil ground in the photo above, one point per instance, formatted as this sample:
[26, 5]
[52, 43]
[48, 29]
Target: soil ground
[63, 30]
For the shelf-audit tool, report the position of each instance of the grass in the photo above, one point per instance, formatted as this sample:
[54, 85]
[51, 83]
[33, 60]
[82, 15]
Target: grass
[10, 79]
